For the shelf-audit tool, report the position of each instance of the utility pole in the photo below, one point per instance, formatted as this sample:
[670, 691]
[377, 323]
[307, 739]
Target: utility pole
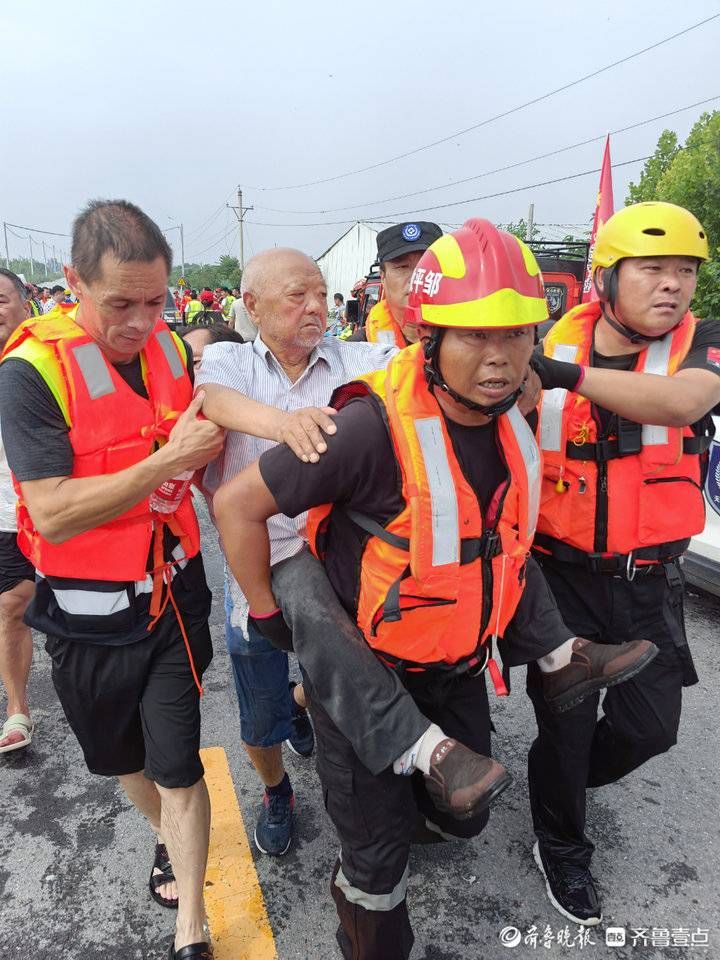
[45, 259]
[7, 252]
[530, 222]
[182, 249]
[240, 212]
[32, 262]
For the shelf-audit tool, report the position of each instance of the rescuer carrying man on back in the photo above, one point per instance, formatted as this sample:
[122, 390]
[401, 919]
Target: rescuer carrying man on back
[430, 489]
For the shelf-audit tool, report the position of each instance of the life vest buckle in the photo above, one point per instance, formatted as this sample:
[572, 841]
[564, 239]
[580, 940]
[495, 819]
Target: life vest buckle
[493, 544]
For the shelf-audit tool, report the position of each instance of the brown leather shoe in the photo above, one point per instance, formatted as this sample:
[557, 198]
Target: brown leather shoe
[592, 667]
[464, 783]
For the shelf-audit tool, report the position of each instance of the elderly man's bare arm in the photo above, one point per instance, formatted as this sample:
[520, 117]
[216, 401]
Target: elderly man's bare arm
[299, 429]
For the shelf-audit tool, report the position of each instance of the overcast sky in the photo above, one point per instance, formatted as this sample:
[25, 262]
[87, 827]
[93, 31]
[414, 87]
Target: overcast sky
[173, 104]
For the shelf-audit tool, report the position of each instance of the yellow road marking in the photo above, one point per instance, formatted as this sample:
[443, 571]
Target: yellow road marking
[233, 899]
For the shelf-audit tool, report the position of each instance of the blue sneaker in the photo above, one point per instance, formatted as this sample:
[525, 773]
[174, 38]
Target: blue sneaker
[302, 739]
[273, 831]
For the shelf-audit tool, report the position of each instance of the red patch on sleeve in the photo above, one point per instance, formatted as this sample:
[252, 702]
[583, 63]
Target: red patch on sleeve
[713, 356]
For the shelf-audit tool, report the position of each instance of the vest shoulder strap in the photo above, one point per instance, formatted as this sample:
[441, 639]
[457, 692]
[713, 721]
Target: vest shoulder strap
[43, 358]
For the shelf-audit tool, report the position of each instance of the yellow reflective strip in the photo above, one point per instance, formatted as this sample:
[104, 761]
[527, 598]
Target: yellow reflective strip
[42, 357]
[504, 308]
[449, 256]
[234, 902]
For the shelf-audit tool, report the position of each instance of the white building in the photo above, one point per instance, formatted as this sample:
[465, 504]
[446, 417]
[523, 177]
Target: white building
[348, 259]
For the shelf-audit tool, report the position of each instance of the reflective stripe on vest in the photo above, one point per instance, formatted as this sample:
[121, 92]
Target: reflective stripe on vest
[657, 361]
[94, 370]
[385, 336]
[553, 404]
[103, 603]
[533, 465]
[445, 542]
[171, 355]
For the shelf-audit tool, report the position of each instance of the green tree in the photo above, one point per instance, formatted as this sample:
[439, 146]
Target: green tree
[225, 273]
[665, 152]
[692, 180]
[519, 229]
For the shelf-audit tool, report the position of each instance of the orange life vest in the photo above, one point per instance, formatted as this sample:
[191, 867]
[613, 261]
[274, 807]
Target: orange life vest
[438, 580]
[380, 327]
[110, 428]
[595, 497]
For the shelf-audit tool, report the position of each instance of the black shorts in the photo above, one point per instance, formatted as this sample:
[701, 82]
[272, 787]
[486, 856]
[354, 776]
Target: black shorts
[136, 707]
[14, 566]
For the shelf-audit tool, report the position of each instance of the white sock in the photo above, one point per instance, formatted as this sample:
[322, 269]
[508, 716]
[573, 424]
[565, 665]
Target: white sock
[560, 657]
[418, 755]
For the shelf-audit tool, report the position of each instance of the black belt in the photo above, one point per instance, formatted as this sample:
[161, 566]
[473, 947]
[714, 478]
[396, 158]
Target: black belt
[613, 564]
[603, 450]
[474, 664]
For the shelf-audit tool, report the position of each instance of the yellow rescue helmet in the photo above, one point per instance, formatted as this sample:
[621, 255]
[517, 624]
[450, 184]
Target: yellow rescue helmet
[652, 229]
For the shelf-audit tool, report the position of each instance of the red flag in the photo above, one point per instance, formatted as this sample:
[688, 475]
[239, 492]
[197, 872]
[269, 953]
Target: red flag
[604, 209]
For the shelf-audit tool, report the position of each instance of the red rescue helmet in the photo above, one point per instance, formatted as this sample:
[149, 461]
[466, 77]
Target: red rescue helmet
[477, 276]
[206, 298]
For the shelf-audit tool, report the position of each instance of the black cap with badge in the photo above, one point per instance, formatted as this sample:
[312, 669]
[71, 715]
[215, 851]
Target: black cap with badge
[405, 238]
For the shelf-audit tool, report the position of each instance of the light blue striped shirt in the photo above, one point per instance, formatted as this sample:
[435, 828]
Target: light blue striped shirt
[253, 370]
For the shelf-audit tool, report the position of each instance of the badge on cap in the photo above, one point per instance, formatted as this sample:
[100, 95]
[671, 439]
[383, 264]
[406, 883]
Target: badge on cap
[411, 231]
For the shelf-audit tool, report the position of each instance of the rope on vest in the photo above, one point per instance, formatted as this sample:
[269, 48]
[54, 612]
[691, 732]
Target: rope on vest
[162, 574]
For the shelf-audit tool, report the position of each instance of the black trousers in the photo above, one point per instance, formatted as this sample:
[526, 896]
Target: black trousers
[375, 815]
[575, 750]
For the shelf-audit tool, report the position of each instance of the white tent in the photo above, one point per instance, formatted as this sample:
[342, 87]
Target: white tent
[348, 259]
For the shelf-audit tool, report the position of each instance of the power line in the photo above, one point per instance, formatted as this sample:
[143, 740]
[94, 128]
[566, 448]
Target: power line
[20, 226]
[454, 203]
[499, 116]
[222, 239]
[509, 166]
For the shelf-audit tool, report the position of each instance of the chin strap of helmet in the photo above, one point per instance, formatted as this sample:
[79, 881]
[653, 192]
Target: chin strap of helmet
[431, 348]
[611, 282]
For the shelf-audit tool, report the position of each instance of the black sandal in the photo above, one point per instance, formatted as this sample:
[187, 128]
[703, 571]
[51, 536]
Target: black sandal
[166, 875]
[193, 951]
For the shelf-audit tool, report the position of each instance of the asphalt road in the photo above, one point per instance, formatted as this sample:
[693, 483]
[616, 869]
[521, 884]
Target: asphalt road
[74, 857]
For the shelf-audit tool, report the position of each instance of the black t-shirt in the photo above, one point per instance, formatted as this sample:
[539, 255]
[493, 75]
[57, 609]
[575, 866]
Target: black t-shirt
[360, 470]
[37, 445]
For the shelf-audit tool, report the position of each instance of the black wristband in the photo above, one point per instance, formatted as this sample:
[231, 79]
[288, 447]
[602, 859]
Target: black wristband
[274, 629]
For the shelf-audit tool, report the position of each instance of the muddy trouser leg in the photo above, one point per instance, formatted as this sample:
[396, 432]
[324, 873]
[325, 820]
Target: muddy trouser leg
[365, 700]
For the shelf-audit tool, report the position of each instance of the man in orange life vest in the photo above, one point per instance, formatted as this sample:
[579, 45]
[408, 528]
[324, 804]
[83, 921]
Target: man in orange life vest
[398, 250]
[622, 495]
[424, 535]
[92, 405]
